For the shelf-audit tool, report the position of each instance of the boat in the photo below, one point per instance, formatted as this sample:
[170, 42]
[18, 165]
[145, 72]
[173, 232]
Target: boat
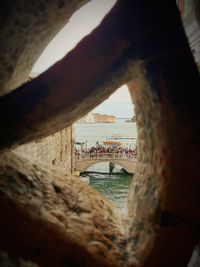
[112, 143]
[111, 167]
[119, 136]
[116, 136]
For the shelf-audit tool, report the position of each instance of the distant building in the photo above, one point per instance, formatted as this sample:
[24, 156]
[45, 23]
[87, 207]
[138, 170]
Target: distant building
[104, 118]
[88, 118]
[98, 118]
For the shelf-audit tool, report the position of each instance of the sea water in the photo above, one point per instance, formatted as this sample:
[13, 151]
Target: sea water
[114, 186]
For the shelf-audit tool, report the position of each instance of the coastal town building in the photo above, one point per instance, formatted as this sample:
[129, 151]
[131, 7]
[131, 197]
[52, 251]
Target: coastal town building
[97, 118]
[88, 118]
[104, 118]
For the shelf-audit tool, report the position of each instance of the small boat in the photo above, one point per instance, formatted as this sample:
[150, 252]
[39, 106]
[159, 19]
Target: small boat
[119, 136]
[111, 166]
[112, 143]
[116, 136]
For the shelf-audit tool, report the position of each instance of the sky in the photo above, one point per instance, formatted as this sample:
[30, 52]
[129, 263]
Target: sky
[118, 104]
[79, 25]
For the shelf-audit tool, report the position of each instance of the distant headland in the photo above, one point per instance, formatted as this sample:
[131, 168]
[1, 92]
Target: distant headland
[102, 118]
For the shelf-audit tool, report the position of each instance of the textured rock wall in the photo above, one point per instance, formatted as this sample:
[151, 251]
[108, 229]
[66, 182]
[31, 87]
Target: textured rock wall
[190, 14]
[31, 25]
[54, 149]
[58, 219]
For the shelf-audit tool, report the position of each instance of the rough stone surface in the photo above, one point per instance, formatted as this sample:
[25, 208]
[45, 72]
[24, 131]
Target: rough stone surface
[56, 217]
[55, 149]
[25, 30]
[160, 213]
[190, 14]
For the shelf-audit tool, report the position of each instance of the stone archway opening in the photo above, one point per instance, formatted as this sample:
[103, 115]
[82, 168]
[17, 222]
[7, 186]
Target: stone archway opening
[159, 69]
[108, 134]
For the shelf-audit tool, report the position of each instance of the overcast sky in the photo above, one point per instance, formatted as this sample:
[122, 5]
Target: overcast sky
[81, 24]
[118, 104]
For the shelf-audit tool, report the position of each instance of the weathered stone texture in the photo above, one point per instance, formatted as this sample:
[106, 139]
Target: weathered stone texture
[146, 193]
[54, 149]
[59, 220]
[31, 25]
[190, 13]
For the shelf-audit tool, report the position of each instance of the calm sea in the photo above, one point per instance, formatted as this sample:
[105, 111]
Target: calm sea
[115, 187]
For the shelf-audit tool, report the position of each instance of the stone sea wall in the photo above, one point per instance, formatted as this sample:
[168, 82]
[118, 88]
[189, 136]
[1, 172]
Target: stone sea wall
[54, 149]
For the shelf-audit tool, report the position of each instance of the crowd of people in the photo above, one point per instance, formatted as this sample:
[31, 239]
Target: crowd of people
[108, 151]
